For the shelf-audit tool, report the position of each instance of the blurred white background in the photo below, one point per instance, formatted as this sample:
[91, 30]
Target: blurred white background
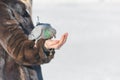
[71, 1]
[92, 51]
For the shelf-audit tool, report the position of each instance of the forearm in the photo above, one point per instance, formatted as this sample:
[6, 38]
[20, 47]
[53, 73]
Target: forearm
[16, 43]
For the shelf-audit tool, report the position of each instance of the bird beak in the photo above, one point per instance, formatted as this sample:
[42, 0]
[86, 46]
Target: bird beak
[54, 35]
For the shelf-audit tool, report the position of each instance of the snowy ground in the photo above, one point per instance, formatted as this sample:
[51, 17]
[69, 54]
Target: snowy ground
[92, 51]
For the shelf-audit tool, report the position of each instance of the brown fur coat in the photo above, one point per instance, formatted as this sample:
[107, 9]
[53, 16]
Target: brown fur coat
[17, 53]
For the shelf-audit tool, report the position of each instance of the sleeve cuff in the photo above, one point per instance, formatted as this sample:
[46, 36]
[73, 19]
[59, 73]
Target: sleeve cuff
[49, 52]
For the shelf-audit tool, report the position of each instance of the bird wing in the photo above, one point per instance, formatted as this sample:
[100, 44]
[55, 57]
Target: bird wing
[35, 34]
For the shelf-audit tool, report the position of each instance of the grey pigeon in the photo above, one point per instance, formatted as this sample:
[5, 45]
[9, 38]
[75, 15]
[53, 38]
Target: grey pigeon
[42, 31]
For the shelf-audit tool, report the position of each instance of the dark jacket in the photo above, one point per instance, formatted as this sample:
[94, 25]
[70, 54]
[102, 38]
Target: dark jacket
[18, 55]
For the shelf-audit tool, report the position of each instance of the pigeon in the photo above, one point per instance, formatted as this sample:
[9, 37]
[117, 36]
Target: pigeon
[42, 31]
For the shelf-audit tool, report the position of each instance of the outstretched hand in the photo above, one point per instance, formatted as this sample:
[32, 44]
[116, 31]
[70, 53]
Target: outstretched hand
[56, 44]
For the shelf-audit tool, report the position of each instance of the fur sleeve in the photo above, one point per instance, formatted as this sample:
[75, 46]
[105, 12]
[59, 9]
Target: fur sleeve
[16, 43]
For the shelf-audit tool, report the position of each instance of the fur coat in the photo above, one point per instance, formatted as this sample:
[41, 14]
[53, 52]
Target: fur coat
[19, 59]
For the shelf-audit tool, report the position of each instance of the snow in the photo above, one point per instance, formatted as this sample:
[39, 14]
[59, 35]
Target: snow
[92, 51]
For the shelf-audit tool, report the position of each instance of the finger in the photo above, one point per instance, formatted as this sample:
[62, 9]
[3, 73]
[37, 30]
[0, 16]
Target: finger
[63, 39]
